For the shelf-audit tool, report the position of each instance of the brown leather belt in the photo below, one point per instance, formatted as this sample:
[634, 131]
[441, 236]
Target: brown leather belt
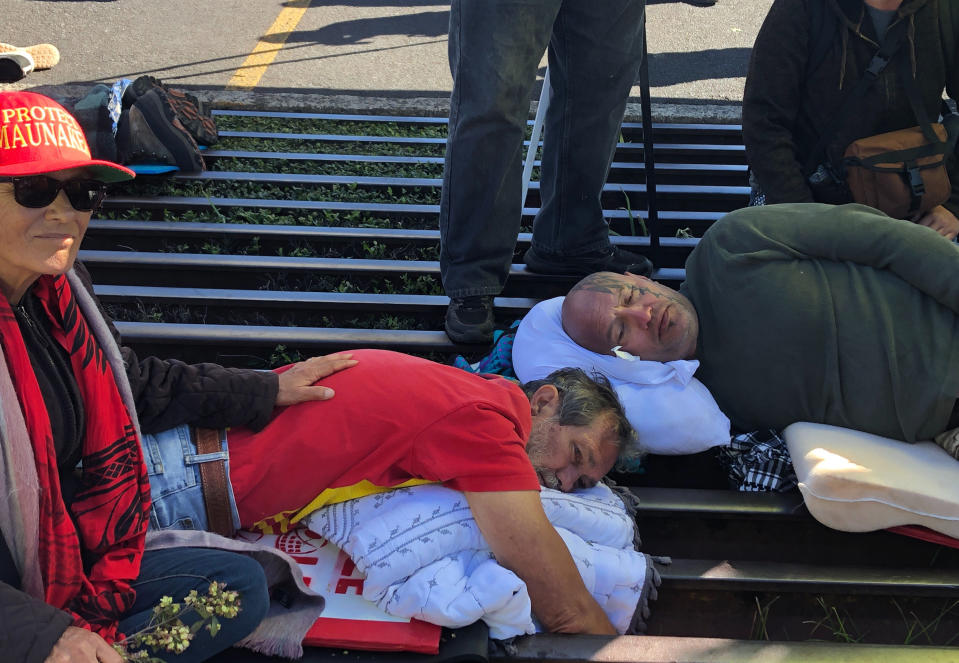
[216, 491]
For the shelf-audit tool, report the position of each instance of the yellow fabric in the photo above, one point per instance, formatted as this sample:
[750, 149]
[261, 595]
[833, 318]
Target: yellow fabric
[281, 522]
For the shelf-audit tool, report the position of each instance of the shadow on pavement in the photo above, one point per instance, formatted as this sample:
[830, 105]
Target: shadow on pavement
[364, 30]
[673, 68]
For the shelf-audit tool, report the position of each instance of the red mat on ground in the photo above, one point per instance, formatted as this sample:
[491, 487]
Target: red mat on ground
[349, 621]
[925, 534]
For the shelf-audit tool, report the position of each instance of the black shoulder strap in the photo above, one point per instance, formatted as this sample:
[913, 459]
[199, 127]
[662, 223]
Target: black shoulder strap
[950, 120]
[894, 38]
[915, 100]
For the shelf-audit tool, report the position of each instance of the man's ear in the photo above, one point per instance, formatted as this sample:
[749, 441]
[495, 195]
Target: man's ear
[545, 401]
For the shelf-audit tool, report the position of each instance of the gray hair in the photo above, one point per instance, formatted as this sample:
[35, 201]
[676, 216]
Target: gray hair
[583, 399]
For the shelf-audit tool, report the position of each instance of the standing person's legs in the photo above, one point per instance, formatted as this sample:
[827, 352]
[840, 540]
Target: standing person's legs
[174, 572]
[495, 47]
[594, 59]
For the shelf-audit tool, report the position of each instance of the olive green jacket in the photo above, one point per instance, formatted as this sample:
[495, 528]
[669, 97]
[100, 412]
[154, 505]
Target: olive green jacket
[835, 315]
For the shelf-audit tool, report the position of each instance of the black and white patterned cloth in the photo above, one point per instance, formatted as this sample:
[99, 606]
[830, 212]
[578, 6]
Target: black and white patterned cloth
[759, 462]
[757, 196]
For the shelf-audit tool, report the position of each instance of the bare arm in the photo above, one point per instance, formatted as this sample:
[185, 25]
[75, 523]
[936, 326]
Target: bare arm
[523, 540]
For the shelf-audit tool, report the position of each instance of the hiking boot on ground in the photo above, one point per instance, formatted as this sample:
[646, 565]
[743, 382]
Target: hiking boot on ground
[612, 260]
[150, 133]
[139, 87]
[192, 113]
[137, 144]
[470, 319]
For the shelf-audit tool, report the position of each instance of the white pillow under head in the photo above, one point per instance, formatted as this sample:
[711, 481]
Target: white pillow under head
[672, 412]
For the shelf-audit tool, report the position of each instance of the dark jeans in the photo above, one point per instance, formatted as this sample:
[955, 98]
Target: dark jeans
[175, 571]
[495, 47]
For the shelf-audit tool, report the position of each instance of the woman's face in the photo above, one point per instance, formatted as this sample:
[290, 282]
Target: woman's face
[37, 241]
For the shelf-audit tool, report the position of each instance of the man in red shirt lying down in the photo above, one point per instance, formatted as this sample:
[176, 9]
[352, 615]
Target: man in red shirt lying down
[398, 420]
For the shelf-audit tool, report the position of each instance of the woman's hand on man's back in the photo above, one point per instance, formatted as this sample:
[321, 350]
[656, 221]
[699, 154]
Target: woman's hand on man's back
[298, 383]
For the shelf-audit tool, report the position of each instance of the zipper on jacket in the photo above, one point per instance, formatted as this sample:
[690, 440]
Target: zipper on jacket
[38, 333]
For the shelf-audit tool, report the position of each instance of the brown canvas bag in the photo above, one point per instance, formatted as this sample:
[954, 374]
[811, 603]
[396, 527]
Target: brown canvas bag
[902, 173]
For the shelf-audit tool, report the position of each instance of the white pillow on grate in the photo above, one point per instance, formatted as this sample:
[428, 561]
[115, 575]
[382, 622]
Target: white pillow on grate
[858, 482]
[672, 412]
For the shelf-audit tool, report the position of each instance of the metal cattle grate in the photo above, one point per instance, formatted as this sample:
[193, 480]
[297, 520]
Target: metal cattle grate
[322, 235]
[380, 240]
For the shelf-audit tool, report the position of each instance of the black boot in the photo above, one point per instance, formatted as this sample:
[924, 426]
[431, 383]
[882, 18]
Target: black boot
[612, 260]
[150, 133]
[470, 319]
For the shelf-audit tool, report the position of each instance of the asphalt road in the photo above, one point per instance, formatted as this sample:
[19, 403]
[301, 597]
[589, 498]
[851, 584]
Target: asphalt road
[349, 55]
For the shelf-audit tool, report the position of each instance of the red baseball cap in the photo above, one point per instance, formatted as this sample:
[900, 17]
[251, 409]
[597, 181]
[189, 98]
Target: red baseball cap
[38, 135]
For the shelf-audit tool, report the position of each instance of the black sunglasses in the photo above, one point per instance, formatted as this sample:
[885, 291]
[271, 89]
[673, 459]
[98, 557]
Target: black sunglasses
[37, 191]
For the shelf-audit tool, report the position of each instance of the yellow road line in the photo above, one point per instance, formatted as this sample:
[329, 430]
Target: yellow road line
[253, 68]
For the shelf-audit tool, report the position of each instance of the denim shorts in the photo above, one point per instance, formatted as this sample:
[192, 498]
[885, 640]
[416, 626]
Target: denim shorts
[175, 487]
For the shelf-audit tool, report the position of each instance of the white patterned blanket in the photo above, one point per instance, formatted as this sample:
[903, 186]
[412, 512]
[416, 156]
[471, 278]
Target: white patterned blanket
[425, 558]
